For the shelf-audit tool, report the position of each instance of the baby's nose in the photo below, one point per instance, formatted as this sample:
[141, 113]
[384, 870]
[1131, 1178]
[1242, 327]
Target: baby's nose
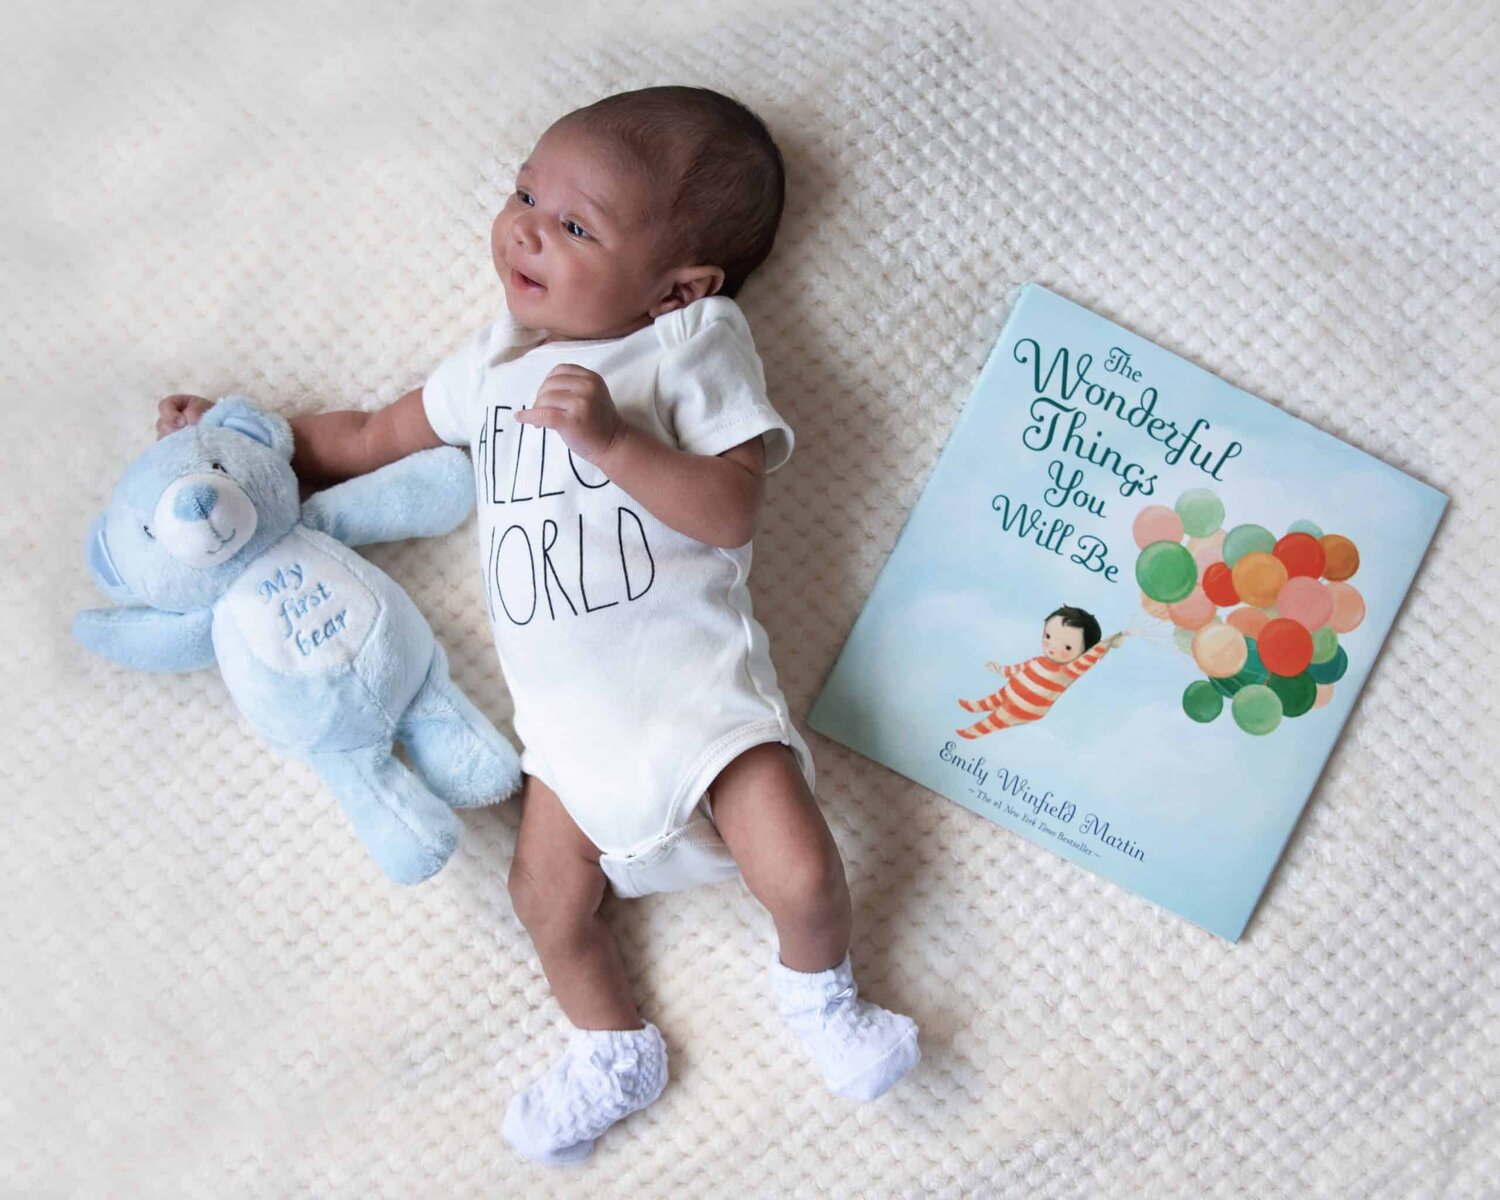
[524, 230]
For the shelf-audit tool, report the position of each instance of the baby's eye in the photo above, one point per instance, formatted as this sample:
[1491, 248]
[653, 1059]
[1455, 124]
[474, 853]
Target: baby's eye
[146, 529]
[525, 197]
[218, 466]
[574, 228]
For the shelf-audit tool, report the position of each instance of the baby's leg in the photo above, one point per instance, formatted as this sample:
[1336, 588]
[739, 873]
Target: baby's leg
[776, 832]
[985, 704]
[557, 886]
[999, 719]
[772, 825]
[614, 1063]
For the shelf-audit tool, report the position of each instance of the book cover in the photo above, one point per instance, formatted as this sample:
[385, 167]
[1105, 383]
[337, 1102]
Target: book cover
[1130, 612]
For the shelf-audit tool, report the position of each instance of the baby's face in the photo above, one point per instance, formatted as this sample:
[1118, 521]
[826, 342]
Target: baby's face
[1061, 643]
[574, 245]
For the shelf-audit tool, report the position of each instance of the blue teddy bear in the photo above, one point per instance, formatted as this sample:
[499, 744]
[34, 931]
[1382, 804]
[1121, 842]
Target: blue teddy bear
[325, 654]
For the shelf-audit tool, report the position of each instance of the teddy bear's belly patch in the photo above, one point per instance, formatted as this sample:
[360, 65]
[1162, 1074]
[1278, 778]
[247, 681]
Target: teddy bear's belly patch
[300, 610]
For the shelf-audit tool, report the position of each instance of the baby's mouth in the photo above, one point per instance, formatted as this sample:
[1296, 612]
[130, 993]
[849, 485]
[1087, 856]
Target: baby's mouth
[525, 282]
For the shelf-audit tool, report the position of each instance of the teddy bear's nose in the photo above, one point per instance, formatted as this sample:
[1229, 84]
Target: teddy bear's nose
[195, 502]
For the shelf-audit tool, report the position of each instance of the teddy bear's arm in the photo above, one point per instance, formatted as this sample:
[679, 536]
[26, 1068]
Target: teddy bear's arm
[147, 638]
[422, 495]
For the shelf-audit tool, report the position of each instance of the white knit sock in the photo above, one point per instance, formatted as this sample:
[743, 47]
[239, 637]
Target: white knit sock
[861, 1048]
[603, 1075]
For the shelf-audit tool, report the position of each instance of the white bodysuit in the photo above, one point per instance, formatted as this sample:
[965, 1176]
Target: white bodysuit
[635, 665]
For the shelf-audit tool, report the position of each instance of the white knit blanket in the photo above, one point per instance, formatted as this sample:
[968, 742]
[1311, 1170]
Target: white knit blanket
[207, 989]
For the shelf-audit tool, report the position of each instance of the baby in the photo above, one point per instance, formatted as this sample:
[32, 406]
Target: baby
[618, 420]
[1070, 648]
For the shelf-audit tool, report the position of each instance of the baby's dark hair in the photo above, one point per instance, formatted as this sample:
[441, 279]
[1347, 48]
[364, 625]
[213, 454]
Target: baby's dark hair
[721, 181]
[1076, 618]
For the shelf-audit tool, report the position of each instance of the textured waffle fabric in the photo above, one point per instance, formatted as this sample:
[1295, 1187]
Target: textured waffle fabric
[208, 990]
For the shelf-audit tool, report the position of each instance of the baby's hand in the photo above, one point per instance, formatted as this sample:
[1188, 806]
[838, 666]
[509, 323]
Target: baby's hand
[995, 667]
[575, 401]
[1116, 640]
[179, 411]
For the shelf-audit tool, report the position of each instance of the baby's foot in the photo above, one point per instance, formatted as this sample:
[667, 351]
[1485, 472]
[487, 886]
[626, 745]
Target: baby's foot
[603, 1075]
[861, 1049]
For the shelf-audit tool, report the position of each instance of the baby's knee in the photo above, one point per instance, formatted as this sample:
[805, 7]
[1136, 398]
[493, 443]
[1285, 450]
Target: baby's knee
[554, 896]
[807, 882]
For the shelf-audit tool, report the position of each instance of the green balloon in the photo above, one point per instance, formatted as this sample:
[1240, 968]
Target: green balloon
[1254, 669]
[1200, 511]
[1256, 709]
[1332, 670]
[1253, 672]
[1306, 527]
[1247, 539]
[1202, 701]
[1296, 692]
[1183, 639]
[1325, 644]
[1166, 572]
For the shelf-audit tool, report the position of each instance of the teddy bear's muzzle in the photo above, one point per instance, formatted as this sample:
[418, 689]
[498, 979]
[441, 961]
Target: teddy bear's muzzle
[203, 519]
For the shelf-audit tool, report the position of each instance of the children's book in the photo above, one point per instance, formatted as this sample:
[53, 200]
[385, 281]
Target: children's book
[1130, 612]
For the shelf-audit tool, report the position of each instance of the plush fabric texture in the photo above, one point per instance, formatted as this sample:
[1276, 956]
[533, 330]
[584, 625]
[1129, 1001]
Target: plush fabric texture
[209, 990]
[322, 651]
[420, 492]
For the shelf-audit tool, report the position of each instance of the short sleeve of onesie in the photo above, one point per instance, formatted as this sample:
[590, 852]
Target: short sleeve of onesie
[451, 395]
[711, 389]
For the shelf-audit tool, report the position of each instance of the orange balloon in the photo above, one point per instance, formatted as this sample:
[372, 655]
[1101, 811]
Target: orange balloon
[1154, 607]
[1193, 612]
[1258, 578]
[1249, 621]
[1219, 650]
[1342, 557]
[1348, 607]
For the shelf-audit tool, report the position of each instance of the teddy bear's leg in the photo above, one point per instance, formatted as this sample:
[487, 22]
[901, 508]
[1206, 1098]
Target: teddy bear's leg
[463, 758]
[408, 831]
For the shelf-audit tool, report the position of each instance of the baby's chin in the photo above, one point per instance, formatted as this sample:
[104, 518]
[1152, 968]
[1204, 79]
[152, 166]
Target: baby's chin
[524, 308]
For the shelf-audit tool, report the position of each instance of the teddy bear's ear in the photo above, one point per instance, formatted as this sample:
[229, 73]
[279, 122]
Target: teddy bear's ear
[101, 563]
[242, 415]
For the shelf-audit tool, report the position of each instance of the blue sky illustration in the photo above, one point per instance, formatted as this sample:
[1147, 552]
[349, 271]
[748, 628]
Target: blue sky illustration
[1209, 806]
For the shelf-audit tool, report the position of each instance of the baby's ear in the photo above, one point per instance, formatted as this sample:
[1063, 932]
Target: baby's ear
[243, 415]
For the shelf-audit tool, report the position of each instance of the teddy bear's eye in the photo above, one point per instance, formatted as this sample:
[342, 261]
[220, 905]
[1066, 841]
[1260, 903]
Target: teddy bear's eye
[146, 529]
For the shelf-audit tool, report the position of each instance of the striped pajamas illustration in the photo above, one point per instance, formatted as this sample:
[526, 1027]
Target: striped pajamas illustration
[1071, 648]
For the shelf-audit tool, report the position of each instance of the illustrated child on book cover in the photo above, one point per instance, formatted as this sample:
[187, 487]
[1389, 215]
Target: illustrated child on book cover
[1070, 647]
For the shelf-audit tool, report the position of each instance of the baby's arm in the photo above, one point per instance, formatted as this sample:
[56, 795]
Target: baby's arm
[713, 498]
[331, 447]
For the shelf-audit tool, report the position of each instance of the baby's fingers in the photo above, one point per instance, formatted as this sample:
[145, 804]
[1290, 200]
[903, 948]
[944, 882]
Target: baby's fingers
[548, 416]
[562, 370]
[178, 411]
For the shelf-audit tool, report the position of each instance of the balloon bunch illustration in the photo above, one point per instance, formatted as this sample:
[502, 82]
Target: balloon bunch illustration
[1275, 653]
